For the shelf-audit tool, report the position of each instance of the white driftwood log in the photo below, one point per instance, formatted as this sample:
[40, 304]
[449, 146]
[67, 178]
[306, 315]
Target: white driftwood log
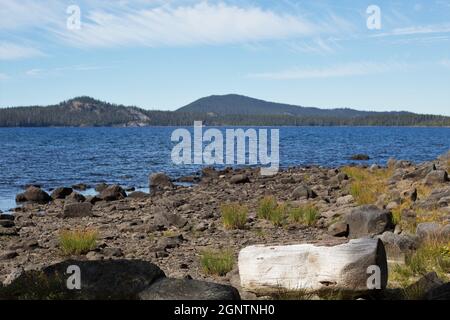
[267, 269]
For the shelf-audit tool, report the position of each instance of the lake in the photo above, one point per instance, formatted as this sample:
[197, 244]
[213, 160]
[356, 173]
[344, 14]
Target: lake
[53, 157]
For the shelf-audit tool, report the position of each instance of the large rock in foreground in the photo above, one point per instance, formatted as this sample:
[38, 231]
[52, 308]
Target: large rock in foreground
[368, 221]
[106, 279]
[188, 289]
[309, 267]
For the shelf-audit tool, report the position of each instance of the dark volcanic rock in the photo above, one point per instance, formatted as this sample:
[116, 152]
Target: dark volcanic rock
[338, 229]
[75, 197]
[167, 219]
[436, 176]
[61, 193]
[159, 181]
[113, 193]
[80, 187]
[360, 157]
[100, 187]
[368, 221]
[441, 292]
[303, 191]
[100, 280]
[75, 209]
[186, 289]
[138, 195]
[239, 178]
[34, 194]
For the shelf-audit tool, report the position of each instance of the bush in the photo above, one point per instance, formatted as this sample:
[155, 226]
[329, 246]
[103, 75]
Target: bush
[307, 214]
[234, 215]
[217, 262]
[77, 242]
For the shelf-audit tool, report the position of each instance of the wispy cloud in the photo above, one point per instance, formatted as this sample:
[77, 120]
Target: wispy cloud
[40, 72]
[11, 51]
[197, 24]
[416, 30]
[344, 70]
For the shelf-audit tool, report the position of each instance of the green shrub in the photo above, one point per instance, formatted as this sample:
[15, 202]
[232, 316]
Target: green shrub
[76, 242]
[234, 215]
[217, 262]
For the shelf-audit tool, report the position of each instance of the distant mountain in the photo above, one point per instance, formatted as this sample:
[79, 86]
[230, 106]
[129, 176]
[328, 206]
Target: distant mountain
[233, 104]
[213, 110]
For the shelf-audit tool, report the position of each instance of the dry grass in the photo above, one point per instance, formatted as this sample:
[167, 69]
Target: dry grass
[435, 215]
[306, 214]
[234, 215]
[76, 242]
[367, 185]
[270, 210]
[397, 212]
[217, 262]
[433, 255]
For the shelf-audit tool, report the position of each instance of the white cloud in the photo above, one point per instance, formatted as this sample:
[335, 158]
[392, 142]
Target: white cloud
[39, 72]
[198, 24]
[344, 70]
[11, 51]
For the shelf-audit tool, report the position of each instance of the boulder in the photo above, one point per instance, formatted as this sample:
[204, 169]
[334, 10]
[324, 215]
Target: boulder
[239, 178]
[188, 289]
[167, 219]
[419, 289]
[303, 191]
[426, 230]
[100, 280]
[75, 210]
[138, 195]
[113, 193]
[159, 181]
[441, 292]
[360, 156]
[436, 176]
[92, 199]
[311, 267]
[100, 187]
[338, 229]
[398, 245]
[61, 193]
[80, 187]
[75, 197]
[368, 220]
[34, 194]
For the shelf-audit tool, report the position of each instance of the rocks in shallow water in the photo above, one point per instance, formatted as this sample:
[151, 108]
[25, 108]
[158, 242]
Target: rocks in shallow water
[80, 187]
[34, 194]
[303, 191]
[368, 220]
[267, 269]
[159, 181]
[360, 156]
[187, 289]
[105, 279]
[100, 187]
[436, 176]
[75, 209]
[61, 193]
[239, 178]
[113, 193]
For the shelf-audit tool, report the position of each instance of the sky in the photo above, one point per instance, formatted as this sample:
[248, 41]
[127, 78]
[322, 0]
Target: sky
[368, 55]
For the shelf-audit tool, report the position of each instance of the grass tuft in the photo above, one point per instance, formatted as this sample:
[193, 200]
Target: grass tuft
[307, 214]
[234, 215]
[217, 262]
[367, 185]
[77, 242]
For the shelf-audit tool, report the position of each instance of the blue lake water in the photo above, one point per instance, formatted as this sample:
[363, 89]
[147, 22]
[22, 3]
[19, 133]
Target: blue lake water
[53, 157]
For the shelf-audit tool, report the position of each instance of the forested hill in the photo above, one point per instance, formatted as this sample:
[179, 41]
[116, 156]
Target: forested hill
[213, 110]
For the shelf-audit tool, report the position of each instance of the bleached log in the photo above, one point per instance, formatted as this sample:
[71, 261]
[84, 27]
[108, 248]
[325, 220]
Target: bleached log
[309, 267]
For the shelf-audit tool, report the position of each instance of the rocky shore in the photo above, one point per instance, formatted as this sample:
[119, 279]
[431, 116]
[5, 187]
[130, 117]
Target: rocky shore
[404, 205]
